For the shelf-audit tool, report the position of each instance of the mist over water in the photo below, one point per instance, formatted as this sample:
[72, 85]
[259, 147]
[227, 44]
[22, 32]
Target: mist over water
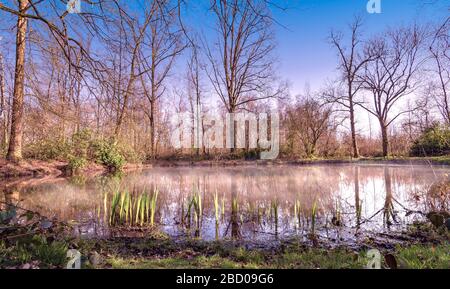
[334, 202]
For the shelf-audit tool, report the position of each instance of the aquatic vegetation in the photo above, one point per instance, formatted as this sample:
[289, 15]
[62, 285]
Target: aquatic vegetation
[133, 209]
[223, 207]
[274, 205]
[298, 212]
[216, 208]
[313, 217]
[153, 201]
[195, 209]
[337, 218]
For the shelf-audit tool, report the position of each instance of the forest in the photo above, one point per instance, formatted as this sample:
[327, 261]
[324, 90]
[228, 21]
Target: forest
[101, 85]
[88, 91]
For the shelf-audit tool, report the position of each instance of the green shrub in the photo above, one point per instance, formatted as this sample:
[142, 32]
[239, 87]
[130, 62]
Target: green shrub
[130, 155]
[108, 154]
[55, 149]
[81, 141]
[434, 141]
[49, 254]
[76, 163]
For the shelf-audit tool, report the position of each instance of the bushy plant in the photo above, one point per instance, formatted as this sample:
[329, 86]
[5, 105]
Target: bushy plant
[49, 149]
[435, 141]
[81, 141]
[108, 154]
[130, 155]
[76, 163]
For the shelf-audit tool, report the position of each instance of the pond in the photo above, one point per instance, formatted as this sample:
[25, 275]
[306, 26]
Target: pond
[341, 203]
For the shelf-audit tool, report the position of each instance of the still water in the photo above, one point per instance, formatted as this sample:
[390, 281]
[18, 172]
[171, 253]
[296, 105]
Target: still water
[336, 202]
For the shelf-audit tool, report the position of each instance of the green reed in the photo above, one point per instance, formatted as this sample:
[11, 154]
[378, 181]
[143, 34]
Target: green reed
[216, 207]
[133, 209]
[223, 207]
[313, 217]
[274, 205]
[195, 208]
[298, 212]
[338, 214]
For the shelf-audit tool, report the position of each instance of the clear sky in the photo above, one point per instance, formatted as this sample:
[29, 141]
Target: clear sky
[303, 50]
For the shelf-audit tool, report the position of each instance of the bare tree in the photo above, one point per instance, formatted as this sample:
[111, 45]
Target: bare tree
[391, 76]
[58, 27]
[309, 121]
[195, 96]
[3, 107]
[241, 65]
[138, 32]
[15, 143]
[440, 52]
[163, 42]
[351, 61]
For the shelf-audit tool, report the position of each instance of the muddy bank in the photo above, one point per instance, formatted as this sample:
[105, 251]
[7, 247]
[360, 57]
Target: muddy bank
[31, 168]
[52, 169]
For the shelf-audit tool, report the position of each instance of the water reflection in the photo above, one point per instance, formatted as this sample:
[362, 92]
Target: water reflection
[338, 201]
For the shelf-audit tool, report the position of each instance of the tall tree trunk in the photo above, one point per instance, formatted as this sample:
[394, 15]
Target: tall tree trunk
[232, 126]
[15, 143]
[353, 130]
[152, 129]
[384, 138]
[3, 109]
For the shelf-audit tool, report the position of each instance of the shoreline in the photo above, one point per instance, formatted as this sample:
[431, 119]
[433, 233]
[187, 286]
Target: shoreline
[56, 169]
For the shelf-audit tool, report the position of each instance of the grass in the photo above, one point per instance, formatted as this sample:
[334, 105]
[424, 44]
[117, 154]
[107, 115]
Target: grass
[441, 160]
[49, 254]
[161, 252]
[201, 262]
[425, 257]
[242, 258]
[414, 257]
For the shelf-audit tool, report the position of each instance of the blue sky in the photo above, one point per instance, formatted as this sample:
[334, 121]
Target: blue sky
[303, 51]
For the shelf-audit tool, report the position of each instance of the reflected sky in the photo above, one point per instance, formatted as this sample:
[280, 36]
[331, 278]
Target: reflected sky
[253, 202]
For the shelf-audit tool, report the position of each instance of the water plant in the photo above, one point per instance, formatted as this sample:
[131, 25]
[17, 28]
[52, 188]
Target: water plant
[195, 208]
[298, 212]
[217, 213]
[216, 207]
[223, 207]
[337, 218]
[274, 205]
[313, 217]
[153, 201]
[133, 209]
